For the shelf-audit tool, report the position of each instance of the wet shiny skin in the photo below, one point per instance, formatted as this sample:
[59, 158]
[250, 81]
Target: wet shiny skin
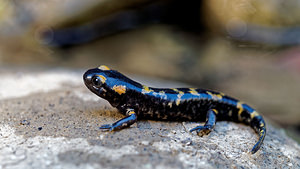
[138, 101]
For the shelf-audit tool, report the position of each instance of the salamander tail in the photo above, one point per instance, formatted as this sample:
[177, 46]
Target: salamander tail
[258, 124]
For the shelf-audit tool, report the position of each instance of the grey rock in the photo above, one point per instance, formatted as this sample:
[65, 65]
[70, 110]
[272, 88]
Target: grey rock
[69, 116]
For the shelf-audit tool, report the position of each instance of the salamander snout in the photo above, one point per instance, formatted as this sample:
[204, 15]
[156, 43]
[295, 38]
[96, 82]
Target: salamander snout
[87, 78]
[94, 80]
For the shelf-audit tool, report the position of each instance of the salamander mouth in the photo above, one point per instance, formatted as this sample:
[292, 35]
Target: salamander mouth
[93, 88]
[96, 88]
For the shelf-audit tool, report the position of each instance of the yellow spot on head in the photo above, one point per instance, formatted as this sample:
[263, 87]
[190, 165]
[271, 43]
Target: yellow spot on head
[120, 89]
[103, 67]
[102, 78]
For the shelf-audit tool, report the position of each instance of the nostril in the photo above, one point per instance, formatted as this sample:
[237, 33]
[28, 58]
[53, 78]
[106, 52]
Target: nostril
[87, 77]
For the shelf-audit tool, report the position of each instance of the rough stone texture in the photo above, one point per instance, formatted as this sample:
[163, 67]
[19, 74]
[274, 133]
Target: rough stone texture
[49, 120]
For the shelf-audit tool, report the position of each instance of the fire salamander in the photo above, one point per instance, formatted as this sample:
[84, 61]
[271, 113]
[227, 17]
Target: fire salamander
[138, 101]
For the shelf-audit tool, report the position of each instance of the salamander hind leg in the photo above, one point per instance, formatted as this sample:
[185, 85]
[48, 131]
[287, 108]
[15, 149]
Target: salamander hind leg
[130, 119]
[209, 124]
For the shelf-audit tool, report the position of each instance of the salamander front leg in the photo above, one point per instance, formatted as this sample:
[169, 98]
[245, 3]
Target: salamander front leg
[130, 119]
[209, 124]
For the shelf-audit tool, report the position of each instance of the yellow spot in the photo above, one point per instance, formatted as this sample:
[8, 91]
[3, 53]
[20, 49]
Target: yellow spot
[162, 94]
[131, 112]
[194, 92]
[103, 67]
[119, 89]
[215, 96]
[178, 101]
[209, 93]
[262, 125]
[180, 94]
[176, 90]
[102, 78]
[241, 109]
[218, 96]
[170, 104]
[253, 114]
[214, 110]
[146, 89]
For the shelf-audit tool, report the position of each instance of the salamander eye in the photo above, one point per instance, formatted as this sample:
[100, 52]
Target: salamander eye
[96, 80]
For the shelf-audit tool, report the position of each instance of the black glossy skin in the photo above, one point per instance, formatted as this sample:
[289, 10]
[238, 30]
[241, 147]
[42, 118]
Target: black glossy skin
[138, 101]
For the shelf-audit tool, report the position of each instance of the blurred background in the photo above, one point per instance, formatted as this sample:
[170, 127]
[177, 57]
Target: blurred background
[248, 49]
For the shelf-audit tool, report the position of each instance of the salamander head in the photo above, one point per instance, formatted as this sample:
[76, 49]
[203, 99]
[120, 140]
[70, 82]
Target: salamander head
[106, 83]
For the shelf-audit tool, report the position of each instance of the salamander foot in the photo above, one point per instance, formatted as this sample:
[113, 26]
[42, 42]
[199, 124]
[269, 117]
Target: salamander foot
[209, 124]
[125, 122]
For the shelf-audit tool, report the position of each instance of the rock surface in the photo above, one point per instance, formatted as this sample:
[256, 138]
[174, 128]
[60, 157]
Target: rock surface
[49, 120]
